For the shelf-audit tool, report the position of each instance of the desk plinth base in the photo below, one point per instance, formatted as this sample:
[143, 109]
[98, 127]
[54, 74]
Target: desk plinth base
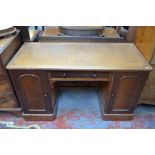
[52, 117]
[16, 111]
[117, 117]
[39, 117]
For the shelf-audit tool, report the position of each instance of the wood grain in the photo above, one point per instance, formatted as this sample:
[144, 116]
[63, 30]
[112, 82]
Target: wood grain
[7, 101]
[145, 41]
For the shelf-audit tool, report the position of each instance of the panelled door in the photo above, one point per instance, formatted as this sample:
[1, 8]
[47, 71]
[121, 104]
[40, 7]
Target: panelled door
[126, 89]
[33, 91]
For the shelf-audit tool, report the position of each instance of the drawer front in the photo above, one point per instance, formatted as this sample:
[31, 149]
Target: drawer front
[71, 74]
[7, 101]
[5, 87]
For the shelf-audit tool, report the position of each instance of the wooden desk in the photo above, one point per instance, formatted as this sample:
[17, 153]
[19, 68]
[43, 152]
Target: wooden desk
[118, 68]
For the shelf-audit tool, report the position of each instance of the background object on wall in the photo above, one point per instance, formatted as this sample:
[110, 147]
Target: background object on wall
[145, 42]
[81, 30]
[123, 31]
[109, 34]
[29, 34]
[7, 31]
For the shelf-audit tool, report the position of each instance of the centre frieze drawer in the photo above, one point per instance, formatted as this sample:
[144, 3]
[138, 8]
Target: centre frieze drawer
[73, 74]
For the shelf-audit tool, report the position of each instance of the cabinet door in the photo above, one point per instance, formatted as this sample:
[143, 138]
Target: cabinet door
[125, 92]
[33, 91]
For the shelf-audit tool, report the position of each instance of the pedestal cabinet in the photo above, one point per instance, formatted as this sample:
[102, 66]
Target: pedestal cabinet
[34, 92]
[124, 93]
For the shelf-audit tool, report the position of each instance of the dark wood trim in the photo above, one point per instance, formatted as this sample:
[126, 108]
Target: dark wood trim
[39, 117]
[15, 111]
[81, 39]
[117, 117]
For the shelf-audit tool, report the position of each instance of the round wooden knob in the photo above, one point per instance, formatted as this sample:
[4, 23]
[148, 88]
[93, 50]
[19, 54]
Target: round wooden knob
[64, 74]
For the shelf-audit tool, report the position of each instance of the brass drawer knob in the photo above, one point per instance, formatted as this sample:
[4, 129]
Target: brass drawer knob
[2, 100]
[94, 75]
[112, 94]
[45, 95]
[64, 74]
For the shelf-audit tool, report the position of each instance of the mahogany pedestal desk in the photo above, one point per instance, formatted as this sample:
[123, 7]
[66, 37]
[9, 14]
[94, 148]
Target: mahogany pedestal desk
[118, 69]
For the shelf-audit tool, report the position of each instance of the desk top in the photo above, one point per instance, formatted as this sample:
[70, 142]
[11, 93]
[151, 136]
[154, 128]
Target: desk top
[79, 56]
